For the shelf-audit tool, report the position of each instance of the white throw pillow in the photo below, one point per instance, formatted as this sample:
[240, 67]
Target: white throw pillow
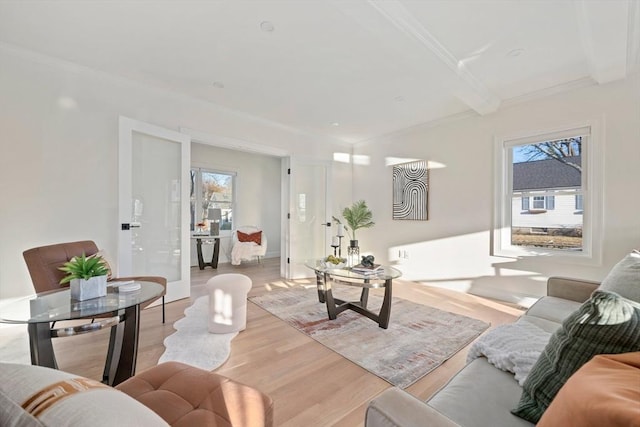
[33, 396]
[624, 278]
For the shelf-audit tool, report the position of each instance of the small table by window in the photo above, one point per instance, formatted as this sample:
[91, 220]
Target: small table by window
[39, 310]
[326, 276]
[216, 250]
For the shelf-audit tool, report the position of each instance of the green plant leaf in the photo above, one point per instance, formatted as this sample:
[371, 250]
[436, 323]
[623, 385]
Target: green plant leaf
[83, 268]
[358, 216]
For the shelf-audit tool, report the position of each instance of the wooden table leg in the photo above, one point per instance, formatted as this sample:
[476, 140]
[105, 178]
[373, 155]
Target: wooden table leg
[199, 250]
[385, 310]
[216, 253]
[320, 279]
[41, 346]
[123, 347]
[331, 304]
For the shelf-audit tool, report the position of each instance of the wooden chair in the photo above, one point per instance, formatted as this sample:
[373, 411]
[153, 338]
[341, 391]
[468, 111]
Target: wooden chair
[43, 263]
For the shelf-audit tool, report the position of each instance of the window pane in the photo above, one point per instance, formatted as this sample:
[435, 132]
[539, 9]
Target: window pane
[216, 191]
[553, 170]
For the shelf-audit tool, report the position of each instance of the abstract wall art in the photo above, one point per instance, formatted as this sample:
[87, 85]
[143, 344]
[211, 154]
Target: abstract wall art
[411, 191]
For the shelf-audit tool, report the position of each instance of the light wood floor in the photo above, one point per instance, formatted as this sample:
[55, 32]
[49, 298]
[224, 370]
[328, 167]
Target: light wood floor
[310, 384]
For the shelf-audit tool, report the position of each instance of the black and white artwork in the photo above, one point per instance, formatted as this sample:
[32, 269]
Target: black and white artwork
[411, 191]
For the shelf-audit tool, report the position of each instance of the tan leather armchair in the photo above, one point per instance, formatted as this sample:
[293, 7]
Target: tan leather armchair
[43, 263]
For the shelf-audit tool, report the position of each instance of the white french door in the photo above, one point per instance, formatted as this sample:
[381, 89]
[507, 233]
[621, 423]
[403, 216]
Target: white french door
[153, 212]
[309, 212]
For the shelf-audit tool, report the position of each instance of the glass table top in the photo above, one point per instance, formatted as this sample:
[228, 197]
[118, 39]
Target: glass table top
[384, 273]
[57, 305]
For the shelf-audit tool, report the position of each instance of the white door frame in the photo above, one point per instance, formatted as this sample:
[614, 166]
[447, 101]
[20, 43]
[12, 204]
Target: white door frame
[181, 288]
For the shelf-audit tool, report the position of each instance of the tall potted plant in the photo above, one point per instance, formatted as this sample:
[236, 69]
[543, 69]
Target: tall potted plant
[357, 216]
[87, 277]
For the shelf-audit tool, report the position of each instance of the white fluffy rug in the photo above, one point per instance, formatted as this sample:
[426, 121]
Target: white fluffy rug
[193, 344]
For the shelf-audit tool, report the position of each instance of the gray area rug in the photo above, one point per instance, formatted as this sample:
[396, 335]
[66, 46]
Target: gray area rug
[193, 344]
[418, 340]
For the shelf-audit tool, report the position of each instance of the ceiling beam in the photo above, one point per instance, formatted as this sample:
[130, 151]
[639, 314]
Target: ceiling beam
[471, 90]
[607, 29]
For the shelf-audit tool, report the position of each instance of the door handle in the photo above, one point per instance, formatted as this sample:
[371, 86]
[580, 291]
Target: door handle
[127, 226]
[328, 224]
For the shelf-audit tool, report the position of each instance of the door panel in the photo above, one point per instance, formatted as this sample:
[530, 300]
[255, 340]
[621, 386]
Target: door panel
[309, 213]
[153, 193]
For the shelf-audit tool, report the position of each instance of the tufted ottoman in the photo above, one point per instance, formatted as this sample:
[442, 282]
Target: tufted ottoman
[228, 302]
[185, 396]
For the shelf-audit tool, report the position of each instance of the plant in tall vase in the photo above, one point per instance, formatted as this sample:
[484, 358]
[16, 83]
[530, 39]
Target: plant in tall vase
[87, 277]
[357, 216]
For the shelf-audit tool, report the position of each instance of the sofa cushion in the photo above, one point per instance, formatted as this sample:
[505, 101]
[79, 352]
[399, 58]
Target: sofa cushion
[624, 278]
[553, 309]
[37, 396]
[606, 323]
[603, 392]
[480, 395]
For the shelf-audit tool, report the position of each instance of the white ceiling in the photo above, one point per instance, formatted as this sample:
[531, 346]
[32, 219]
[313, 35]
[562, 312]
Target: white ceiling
[372, 67]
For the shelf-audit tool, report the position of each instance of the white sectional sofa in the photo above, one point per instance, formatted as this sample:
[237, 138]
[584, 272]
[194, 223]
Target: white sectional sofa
[480, 395]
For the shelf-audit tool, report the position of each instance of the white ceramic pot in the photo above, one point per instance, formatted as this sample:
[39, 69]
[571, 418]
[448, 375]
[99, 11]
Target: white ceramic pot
[94, 287]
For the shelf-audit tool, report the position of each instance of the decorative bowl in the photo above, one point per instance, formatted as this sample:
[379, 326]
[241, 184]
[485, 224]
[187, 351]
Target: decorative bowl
[341, 264]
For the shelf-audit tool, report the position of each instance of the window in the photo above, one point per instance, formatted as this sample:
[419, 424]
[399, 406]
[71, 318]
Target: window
[209, 190]
[541, 180]
[541, 203]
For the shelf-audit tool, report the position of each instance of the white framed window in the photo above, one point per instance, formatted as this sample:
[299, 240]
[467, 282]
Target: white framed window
[538, 203]
[212, 189]
[541, 179]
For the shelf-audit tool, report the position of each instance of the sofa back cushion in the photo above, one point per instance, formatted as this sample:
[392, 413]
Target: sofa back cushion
[38, 397]
[624, 278]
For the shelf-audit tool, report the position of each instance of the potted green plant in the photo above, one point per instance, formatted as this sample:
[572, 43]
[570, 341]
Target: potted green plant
[357, 216]
[87, 277]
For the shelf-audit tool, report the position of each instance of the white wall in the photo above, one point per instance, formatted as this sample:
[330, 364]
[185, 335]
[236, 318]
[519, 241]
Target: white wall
[452, 248]
[257, 193]
[59, 139]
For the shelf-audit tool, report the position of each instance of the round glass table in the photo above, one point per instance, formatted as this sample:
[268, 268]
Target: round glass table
[118, 310]
[327, 275]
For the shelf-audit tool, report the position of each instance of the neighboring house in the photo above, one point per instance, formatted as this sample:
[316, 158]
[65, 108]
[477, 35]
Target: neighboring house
[547, 195]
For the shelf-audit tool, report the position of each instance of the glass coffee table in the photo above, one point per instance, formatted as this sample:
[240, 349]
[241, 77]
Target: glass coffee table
[119, 311]
[326, 276]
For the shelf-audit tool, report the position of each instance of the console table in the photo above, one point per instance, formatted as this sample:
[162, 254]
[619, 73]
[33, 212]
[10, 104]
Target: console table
[216, 251]
[326, 276]
[120, 311]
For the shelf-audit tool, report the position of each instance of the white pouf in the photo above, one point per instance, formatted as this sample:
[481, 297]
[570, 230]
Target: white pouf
[228, 303]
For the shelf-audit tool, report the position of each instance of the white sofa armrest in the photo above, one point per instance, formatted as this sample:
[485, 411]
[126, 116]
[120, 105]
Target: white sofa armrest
[572, 289]
[394, 408]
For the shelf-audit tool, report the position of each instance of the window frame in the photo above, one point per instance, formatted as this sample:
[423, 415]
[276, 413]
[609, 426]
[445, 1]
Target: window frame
[591, 191]
[199, 199]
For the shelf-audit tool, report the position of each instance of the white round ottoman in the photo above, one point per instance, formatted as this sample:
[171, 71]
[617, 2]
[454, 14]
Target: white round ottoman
[228, 303]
